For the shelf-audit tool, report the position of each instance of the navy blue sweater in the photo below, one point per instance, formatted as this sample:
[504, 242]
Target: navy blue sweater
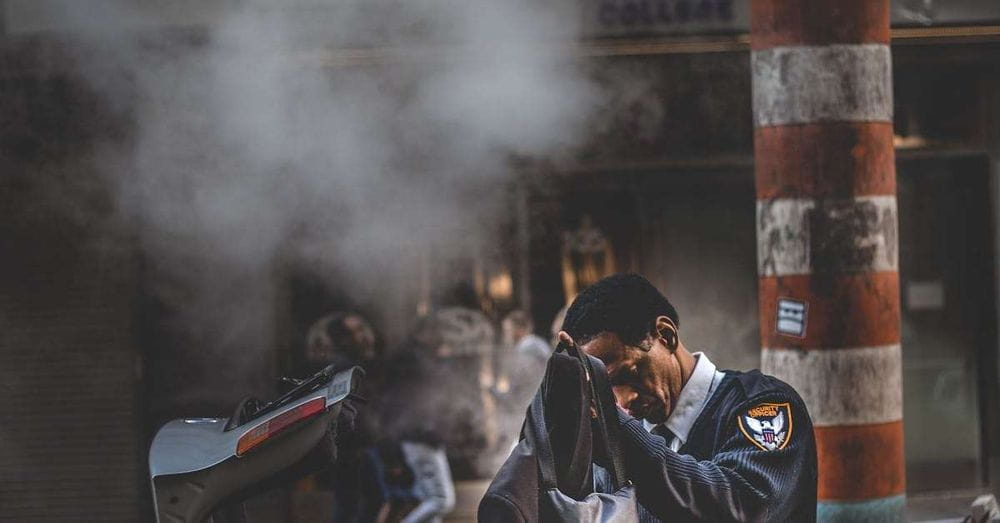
[750, 456]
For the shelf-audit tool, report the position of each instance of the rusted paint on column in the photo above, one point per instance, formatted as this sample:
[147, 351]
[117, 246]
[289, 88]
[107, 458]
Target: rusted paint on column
[777, 23]
[837, 83]
[843, 386]
[827, 239]
[861, 462]
[846, 311]
[795, 152]
[826, 236]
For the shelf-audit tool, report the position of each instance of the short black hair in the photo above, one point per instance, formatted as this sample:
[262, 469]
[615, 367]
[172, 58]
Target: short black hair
[623, 304]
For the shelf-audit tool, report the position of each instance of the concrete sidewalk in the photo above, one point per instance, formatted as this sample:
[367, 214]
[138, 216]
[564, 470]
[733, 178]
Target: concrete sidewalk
[467, 496]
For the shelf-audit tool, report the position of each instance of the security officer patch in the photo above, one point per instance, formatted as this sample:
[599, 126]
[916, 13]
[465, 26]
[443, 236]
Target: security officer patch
[768, 425]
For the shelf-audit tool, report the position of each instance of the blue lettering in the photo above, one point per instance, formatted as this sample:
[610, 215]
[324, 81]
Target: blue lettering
[651, 13]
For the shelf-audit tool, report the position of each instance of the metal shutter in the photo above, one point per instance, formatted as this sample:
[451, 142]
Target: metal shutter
[69, 429]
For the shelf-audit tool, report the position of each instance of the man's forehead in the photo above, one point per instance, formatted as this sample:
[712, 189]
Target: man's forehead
[607, 347]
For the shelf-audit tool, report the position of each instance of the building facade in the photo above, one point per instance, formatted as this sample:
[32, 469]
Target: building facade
[93, 359]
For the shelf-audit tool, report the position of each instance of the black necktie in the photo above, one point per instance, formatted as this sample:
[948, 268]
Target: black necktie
[664, 432]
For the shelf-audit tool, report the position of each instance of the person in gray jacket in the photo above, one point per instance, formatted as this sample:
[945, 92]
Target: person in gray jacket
[432, 485]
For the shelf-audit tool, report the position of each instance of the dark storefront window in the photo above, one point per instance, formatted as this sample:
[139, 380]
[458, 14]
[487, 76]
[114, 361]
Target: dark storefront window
[949, 320]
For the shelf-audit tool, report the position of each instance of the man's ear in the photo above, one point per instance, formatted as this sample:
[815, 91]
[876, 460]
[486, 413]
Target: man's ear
[667, 330]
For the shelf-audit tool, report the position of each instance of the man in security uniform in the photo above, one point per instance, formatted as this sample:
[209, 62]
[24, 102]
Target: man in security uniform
[700, 443]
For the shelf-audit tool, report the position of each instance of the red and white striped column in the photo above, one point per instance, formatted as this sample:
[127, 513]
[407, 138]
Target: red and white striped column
[827, 239]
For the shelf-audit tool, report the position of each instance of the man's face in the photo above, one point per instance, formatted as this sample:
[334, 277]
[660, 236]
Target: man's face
[646, 383]
[361, 336]
[512, 333]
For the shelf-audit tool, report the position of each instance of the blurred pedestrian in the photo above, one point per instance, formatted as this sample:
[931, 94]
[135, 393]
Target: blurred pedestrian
[413, 478]
[519, 329]
[454, 348]
[345, 339]
[522, 361]
[341, 339]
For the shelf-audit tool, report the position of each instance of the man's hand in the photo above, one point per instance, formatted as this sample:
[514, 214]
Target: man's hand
[564, 337]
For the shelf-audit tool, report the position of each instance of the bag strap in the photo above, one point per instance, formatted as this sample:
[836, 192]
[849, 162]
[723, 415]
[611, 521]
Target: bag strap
[537, 434]
[600, 388]
[607, 412]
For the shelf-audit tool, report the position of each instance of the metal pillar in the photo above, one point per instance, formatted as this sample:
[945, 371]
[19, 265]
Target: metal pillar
[827, 239]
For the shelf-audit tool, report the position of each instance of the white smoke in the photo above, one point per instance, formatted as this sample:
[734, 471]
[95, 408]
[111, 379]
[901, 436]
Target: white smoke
[254, 148]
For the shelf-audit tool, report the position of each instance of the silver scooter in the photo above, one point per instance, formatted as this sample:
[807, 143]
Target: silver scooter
[206, 467]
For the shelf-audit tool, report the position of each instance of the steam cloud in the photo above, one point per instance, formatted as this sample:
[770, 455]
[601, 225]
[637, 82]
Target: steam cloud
[250, 151]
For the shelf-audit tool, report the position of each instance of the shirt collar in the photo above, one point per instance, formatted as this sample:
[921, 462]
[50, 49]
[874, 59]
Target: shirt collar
[693, 397]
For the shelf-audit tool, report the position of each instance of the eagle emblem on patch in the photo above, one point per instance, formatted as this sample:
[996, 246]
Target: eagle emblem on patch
[767, 425]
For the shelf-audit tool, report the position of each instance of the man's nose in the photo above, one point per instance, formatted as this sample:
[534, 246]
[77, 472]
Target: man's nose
[624, 395]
